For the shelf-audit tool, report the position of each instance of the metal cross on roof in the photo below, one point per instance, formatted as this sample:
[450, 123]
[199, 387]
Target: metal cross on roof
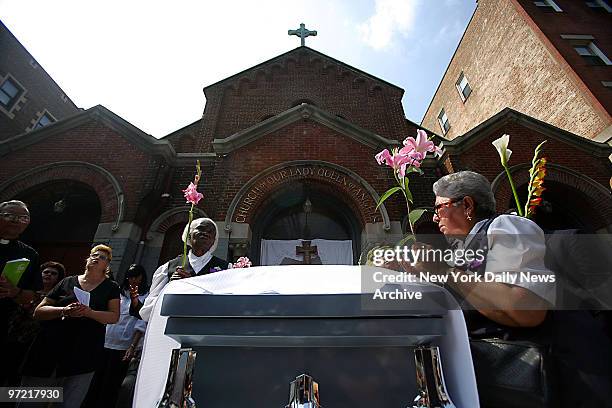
[302, 32]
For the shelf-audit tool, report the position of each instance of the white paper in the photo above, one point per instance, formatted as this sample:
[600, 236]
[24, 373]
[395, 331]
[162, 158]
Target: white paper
[82, 296]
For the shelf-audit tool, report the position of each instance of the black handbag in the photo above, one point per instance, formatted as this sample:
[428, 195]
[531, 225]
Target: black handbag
[512, 373]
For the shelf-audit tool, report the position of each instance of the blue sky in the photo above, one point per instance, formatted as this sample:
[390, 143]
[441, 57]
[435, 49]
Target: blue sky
[148, 61]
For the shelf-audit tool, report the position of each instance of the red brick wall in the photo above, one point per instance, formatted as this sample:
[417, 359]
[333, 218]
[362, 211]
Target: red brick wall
[508, 65]
[303, 140]
[134, 169]
[42, 92]
[302, 75]
[483, 158]
[578, 18]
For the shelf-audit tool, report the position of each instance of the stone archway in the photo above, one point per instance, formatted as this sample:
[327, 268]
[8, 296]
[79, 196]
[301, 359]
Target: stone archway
[105, 185]
[580, 201]
[65, 215]
[357, 191]
[164, 236]
[283, 216]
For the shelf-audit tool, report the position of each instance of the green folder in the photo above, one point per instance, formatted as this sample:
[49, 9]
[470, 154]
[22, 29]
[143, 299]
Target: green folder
[13, 270]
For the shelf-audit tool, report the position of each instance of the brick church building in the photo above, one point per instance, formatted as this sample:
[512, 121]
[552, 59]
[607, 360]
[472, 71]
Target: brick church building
[287, 152]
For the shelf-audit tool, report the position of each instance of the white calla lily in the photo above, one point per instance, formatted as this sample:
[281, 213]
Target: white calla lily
[501, 145]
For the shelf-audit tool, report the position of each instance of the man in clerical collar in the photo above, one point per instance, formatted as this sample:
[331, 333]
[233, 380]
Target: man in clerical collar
[14, 219]
[203, 239]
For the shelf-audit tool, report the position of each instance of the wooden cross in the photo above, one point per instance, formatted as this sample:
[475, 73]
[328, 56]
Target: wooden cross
[302, 32]
[306, 250]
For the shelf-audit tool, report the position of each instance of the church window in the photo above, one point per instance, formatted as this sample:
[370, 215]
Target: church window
[599, 5]
[443, 120]
[10, 91]
[592, 54]
[548, 5]
[463, 87]
[44, 120]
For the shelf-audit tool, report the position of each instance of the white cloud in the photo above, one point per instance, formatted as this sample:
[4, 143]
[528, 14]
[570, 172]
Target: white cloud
[390, 17]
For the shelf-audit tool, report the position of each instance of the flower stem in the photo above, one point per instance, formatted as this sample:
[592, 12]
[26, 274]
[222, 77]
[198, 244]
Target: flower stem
[409, 222]
[516, 199]
[187, 238]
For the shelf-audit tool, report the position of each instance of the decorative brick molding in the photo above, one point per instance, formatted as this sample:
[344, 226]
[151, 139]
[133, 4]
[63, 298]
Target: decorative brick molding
[167, 219]
[599, 197]
[354, 190]
[105, 185]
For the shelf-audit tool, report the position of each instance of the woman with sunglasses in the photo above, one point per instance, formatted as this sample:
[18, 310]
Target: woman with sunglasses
[65, 352]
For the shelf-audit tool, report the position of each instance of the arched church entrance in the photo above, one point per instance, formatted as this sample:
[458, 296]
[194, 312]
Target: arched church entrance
[564, 207]
[64, 218]
[300, 216]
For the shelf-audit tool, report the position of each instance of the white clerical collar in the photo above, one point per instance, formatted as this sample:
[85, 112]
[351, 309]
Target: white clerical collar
[199, 262]
[5, 241]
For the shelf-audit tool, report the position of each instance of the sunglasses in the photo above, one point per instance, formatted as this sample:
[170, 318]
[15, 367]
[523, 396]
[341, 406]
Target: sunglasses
[15, 217]
[447, 204]
[99, 256]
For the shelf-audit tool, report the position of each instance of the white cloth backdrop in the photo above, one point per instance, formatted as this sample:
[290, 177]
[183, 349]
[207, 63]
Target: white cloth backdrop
[331, 252]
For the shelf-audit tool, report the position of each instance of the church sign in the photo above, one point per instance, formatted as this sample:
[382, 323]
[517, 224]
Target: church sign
[333, 175]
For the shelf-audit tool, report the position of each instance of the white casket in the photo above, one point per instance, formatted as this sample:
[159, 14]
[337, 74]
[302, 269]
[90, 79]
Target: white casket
[257, 329]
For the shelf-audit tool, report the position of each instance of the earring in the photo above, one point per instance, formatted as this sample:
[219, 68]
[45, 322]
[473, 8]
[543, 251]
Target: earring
[469, 217]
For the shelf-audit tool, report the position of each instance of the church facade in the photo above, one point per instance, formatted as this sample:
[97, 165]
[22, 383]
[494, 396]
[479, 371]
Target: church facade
[287, 153]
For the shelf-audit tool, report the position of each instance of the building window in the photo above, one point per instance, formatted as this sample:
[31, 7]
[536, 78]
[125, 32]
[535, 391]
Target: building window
[443, 120]
[10, 91]
[599, 5]
[548, 5]
[463, 87]
[44, 120]
[592, 54]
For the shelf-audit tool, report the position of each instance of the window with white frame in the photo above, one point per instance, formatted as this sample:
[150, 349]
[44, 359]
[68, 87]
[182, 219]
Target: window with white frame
[44, 120]
[463, 87]
[599, 5]
[592, 54]
[443, 121]
[10, 91]
[548, 5]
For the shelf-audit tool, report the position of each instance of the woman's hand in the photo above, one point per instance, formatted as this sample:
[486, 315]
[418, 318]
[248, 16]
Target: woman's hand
[77, 310]
[129, 353]
[180, 274]
[134, 294]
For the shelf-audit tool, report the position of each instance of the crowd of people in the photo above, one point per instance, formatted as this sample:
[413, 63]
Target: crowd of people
[81, 330]
[50, 335]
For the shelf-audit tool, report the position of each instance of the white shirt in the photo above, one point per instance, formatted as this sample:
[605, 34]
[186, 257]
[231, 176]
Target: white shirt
[517, 245]
[119, 335]
[160, 279]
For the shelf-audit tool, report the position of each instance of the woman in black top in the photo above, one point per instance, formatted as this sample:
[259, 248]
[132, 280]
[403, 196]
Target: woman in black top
[64, 353]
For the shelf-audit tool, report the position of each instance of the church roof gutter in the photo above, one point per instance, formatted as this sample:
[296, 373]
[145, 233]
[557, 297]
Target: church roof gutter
[466, 141]
[356, 70]
[100, 113]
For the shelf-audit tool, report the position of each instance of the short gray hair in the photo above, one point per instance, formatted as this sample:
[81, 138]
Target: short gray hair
[468, 183]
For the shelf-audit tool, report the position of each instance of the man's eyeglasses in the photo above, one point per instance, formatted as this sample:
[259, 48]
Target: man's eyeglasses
[99, 256]
[447, 204]
[50, 272]
[15, 217]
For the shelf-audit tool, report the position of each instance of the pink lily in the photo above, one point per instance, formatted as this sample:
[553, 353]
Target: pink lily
[242, 262]
[419, 145]
[192, 195]
[397, 161]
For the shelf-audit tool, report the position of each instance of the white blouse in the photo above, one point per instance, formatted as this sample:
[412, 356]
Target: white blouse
[119, 335]
[517, 248]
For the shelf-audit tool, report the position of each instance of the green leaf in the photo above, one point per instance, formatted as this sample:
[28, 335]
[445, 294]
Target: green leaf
[406, 239]
[415, 215]
[407, 192]
[387, 194]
